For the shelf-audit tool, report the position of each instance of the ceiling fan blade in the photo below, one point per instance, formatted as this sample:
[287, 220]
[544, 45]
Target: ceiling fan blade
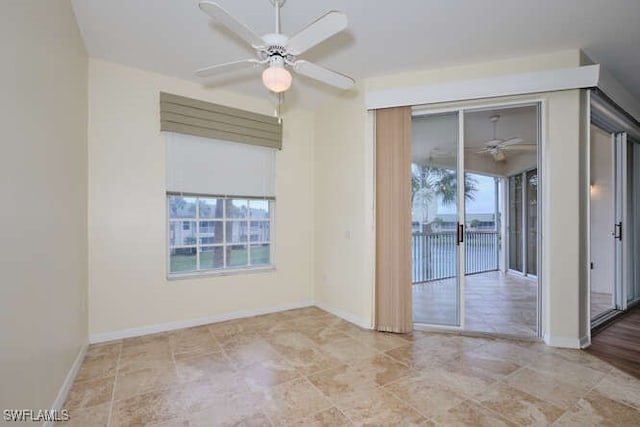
[511, 141]
[521, 147]
[332, 78]
[223, 17]
[221, 68]
[318, 31]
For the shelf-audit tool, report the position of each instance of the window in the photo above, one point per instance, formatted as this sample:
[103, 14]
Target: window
[218, 233]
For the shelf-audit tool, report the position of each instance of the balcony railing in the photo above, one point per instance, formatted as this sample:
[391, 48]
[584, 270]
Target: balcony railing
[435, 254]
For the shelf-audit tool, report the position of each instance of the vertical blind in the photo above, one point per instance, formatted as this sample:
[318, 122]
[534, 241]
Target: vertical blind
[393, 220]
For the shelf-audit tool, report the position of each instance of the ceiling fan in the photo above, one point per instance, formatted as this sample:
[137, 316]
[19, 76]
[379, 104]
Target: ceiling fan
[497, 147]
[278, 52]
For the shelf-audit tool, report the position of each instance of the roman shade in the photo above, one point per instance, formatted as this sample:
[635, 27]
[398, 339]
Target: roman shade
[204, 119]
[205, 166]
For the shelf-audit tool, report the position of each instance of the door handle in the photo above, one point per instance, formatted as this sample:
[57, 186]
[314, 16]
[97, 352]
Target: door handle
[460, 234]
[618, 231]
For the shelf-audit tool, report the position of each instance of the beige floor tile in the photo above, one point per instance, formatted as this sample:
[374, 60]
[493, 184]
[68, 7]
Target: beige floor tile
[219, 391]
[203, 367]
[311, 368]
[483, 367]
[377, 407]
[95, 416]
[311, 360]
[568, 372]
[620, 387]
[84, 394]
[471, 414]
[547, 387]
[193, 342]
[343, 382]
[381, 341]
[234, 412]
[597, 410]
[109, 349]
[421, 393]
[247, 353]
[323, 334]
[519, 407]
[270, 372]
[349, 350]
[129, 384]
[97, 367]
[290, 402]
[150, 408]
[328, 418]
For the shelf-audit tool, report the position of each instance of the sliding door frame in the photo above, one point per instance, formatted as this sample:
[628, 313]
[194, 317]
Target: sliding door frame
[468, 107]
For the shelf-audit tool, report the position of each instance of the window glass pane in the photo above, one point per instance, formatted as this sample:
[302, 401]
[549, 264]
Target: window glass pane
[211, 232]
[259, 231]
[182, 259]
[182, 233]
[237, 255]
[260, 254]
[182, 207]
[211, 257]
[211, 208]
[259, 209]
[236, 231]
[236, 208]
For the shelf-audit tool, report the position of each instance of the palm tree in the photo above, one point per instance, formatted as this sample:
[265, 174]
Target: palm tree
[440, 182]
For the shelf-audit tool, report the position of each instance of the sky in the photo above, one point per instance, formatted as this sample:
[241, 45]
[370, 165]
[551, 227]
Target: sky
[484, 198]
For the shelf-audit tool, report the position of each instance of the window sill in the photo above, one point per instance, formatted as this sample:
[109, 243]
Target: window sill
[214, 273]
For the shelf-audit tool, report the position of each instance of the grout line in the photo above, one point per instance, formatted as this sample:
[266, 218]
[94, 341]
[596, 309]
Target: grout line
[115, 383]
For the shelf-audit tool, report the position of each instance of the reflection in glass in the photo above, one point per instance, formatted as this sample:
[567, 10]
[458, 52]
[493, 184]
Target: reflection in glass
[532, 222]
[259, 209]
[211, 257]
[211, 208]
[183, 259]
[182, 233]
[237, 208]
[434, 214]
[182, 207]
[237, 255]
[261, 254]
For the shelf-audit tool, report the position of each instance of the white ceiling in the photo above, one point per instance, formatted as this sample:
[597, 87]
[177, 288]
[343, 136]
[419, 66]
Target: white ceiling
[174, 37]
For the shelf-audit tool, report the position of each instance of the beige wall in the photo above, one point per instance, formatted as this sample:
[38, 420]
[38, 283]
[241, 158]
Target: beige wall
[127, 221]
[344, 193]
[43, 109]
[344, 251]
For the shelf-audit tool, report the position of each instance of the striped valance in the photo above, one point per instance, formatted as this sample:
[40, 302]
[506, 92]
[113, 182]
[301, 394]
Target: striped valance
[199, 118]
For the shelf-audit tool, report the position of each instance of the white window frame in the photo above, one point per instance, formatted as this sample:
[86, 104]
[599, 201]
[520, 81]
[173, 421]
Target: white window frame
[225, 270]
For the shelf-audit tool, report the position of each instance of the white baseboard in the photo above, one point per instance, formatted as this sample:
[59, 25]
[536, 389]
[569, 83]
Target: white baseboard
[564, 342]
[180, 324]
[345, 315]
[68, 382]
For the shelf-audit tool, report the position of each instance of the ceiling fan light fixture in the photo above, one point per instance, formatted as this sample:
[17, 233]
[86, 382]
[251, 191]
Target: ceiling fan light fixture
[276, 78]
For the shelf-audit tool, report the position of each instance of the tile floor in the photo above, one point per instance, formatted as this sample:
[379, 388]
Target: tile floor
[308, 367]
[494, 303]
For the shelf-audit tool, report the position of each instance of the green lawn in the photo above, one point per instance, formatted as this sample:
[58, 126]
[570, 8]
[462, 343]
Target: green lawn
[238, 257]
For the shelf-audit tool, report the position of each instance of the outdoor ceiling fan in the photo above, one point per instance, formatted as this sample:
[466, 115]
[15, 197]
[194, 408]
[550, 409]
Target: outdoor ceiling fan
[278, 52]
[497, 147]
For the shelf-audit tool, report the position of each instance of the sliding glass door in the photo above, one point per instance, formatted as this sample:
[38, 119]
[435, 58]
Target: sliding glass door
[462, 253]
[435, 224]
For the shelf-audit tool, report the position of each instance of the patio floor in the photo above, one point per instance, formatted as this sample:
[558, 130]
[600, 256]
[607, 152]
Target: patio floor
[495, 303]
